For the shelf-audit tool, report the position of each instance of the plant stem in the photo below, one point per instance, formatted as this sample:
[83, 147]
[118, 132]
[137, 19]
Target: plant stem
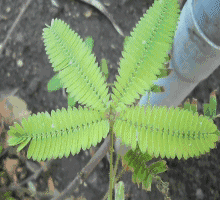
[111, 178]
[115, 172]
[110, 84]
[112, 175]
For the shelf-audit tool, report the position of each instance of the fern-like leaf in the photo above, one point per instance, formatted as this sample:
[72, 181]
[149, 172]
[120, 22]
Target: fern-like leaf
[166, 131]
[145, 51]
[78, 72]
[136, 160]
[60, 133]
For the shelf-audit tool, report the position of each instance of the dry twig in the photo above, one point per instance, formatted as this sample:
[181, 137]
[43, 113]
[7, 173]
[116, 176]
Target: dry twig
[85, 172]
[2, 45]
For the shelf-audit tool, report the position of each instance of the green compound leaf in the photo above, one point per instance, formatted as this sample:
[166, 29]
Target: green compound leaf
[210, 109]
[166, 131]
[89, 42]
[143, 173]
[145, 51]
[104, 67]
[71, 101]
[54, 84]
[78, 72]
[60, 133]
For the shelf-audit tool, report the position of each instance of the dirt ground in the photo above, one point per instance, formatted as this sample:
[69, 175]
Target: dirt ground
[25, 65]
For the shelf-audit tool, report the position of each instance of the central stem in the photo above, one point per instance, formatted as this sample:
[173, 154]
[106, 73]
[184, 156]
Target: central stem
[111, 178]
[111, 185]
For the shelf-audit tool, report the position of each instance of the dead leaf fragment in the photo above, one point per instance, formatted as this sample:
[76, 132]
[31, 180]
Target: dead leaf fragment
[10, 166]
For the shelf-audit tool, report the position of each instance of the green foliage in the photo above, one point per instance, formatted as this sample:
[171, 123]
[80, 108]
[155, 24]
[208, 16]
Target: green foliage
[151, 131]
[55, 83]
[89, 42]
[163, 73]
[6, 195]
[60, 133]
[141, 172]
[104, 67]
[136, 160]
[87, 86]
[145, 51]
[119, 191]
[166, 131]
[210, 109]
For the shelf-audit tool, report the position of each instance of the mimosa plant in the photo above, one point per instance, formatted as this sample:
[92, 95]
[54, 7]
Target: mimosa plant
[150, 131]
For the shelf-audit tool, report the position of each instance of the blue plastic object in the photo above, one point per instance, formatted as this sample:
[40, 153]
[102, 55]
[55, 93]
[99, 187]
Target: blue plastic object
[195, 53]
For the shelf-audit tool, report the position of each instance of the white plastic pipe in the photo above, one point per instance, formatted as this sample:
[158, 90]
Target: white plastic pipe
[195, 55]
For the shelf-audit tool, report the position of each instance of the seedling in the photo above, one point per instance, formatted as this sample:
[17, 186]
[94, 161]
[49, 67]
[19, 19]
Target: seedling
[150, 131]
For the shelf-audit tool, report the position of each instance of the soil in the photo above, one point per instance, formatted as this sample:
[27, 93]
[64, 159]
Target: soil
[24, 64]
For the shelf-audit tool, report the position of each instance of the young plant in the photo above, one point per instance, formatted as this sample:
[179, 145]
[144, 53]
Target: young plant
[149, 131]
